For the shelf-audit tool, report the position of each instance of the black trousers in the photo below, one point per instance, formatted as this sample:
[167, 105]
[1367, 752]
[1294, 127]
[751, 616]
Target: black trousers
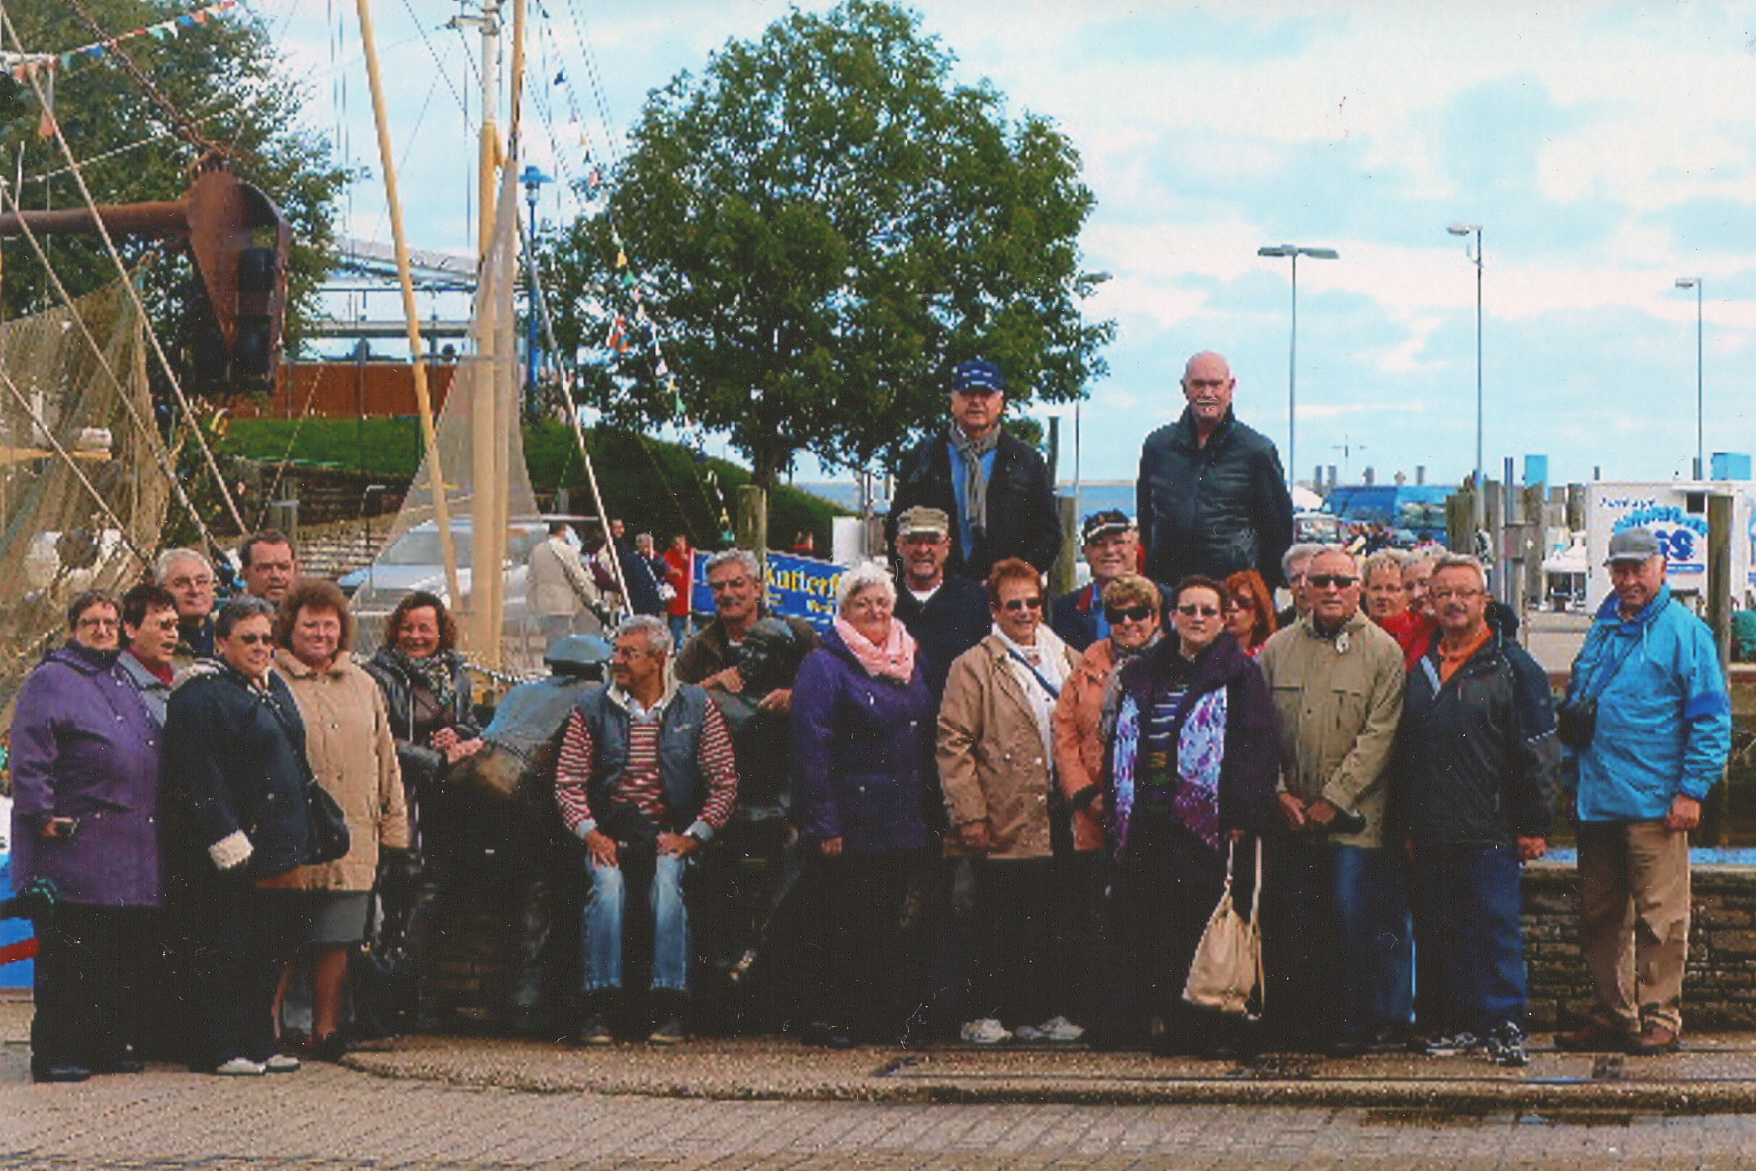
[856, 963]
[89, 984]
[238, 937]
[1013, 979]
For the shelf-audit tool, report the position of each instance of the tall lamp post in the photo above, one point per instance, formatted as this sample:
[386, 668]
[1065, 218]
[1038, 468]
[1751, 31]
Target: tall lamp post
[533, 180]
[1293, 252]
[1694, 282]
[1478, 493]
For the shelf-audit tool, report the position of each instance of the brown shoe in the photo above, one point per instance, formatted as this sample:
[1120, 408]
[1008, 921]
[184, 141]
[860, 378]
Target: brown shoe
[1595, 1037]
[1655, 1039]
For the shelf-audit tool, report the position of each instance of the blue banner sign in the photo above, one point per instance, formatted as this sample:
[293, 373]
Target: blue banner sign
[798, 587]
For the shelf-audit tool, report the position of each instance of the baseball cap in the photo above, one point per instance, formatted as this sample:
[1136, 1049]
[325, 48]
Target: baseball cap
[1633, 545]
[1102, 524]
[978, 375]
[922, 521]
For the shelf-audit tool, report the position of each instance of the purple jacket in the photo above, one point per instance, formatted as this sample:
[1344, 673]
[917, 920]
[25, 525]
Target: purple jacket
[858, 748]
[84, 746]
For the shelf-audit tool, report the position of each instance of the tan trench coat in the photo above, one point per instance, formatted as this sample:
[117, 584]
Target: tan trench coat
[348, 742]
[991, 759]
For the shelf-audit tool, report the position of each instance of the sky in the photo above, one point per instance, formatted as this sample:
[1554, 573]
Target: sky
[1604, 149]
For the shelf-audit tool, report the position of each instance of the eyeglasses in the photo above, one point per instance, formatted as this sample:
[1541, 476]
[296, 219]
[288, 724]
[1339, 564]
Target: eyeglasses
[1113, 615]
[97, 623]
[1447, 595]
[253, 639]
[1017, 604]
[1191, 610]
[1323, 581]
[1243, 603]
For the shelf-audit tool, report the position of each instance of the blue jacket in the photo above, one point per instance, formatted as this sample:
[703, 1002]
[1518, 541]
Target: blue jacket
[1664, 719]
[858, 752]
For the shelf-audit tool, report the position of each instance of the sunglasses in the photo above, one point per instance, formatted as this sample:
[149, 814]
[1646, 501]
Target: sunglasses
[253, 639]
[1323, 581]
[1017, 604]
[1113, 615]
[1191, 610]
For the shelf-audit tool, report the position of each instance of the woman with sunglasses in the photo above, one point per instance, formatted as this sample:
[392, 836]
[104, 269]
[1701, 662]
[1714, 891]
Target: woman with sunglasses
[1249, 610]
[1193, 767]
[235, 775]
[1084, 720]
[994, 751]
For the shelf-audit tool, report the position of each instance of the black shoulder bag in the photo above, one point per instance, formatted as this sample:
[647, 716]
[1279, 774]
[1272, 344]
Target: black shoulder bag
[330, 839]
[1576, 715]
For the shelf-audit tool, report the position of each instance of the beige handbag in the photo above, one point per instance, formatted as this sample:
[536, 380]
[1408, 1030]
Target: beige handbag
[1228, 961]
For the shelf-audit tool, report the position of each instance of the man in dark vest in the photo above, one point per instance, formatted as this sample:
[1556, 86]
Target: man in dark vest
[645, 777]
[995, 488]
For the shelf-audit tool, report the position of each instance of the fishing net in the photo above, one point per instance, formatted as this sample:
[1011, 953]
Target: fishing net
[481, 453]
[82, 491]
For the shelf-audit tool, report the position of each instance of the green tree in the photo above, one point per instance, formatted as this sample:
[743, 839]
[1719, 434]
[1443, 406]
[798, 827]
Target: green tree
[818, 228]
[228, 80]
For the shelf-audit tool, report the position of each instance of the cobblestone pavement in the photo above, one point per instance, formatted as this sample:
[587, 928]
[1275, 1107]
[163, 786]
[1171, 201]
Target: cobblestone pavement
[328, 1117]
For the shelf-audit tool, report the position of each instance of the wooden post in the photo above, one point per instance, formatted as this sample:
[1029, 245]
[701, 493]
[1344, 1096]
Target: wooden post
[1061, 574]
[411, 311]
[1719, 611]
[752, 524]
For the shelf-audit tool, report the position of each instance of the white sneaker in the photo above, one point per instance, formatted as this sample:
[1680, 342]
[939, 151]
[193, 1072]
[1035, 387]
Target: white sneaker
[241, 1067]
[281, 1063]
[986, 1031]
[1058, 1029]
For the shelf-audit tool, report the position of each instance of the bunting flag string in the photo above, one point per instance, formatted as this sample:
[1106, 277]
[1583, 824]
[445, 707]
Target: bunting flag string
[24, 66]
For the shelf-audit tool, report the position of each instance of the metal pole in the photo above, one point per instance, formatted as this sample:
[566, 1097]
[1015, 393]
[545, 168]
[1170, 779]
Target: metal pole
[1700, 440]
[1481, 485]
[1292, 369]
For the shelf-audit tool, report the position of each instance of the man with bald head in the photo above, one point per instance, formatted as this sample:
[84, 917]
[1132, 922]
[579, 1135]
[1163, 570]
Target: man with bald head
[1212, 498]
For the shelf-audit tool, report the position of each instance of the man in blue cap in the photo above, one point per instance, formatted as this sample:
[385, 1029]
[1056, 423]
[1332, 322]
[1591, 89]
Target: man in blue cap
[995, 488]
[1646, 726]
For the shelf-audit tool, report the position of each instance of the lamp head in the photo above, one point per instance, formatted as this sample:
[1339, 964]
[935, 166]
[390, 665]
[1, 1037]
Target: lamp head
[1463, 229]
[1277, 250]
[1688, 282]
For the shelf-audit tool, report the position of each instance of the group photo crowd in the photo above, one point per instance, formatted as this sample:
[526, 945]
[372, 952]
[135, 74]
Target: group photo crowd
[966, 812]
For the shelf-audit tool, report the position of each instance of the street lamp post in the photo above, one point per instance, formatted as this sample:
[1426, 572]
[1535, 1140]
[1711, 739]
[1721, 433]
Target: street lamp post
[1694, 282]
[1478, 493]
[533, 180]
[1293, 252]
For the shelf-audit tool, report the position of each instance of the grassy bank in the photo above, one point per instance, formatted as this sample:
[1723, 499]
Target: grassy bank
[655, 486]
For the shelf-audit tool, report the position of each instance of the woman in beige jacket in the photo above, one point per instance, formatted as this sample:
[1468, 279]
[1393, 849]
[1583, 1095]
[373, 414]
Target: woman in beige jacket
[352, 755]
[996, 767]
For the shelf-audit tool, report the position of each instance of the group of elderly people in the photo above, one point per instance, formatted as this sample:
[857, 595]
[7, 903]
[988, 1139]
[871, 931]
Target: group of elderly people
[172, 811]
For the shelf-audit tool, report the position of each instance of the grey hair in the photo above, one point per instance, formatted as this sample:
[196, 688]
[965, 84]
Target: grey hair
[1461, 561]
[658, 635]
[162, 567]
[1303, 551]
[864, 576]
[1337, 551]
[742, 558]
[1392, 559]
[237, 610]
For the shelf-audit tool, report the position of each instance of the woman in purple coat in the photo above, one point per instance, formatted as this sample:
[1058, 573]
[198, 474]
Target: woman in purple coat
[85, 769]
[862, 720]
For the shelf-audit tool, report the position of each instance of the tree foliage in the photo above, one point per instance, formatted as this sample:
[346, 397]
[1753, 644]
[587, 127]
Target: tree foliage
[818, 227]
[228, 78]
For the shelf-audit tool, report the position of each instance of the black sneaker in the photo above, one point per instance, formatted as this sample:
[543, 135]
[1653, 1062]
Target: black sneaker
[669, 1032]
[595, 1030]
[1505, 1045]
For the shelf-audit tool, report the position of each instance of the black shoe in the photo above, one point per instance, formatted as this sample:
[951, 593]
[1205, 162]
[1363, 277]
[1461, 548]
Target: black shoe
[1595, 1037]
[120, 1065]
[595, 1030]
[63, 1072]
[1343, 1047]
[670, 1031]
[826, 1036]
[331, 1049]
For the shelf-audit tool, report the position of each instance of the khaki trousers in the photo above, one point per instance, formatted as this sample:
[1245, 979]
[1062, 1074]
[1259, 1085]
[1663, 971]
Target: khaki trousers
[1634, 920]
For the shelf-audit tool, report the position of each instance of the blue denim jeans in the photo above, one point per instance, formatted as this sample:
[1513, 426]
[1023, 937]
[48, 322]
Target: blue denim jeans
[1467, 905]
[604, 907]
[1377, 939]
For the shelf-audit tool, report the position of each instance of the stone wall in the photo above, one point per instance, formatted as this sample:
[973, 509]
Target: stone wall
[1719, 987]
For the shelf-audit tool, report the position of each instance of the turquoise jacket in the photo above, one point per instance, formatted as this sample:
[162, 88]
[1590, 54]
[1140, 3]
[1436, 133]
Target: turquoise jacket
[1664, 718]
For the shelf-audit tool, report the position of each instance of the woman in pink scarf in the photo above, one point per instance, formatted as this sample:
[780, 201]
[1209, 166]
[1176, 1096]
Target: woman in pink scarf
[862, 736]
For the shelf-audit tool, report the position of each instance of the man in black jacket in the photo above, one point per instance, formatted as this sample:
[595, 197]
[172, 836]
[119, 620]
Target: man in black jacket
[1472, 785]
[1212, 498]
[994, 487]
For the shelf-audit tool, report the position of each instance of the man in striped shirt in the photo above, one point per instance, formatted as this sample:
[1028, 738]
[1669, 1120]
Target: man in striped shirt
[646, 771]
